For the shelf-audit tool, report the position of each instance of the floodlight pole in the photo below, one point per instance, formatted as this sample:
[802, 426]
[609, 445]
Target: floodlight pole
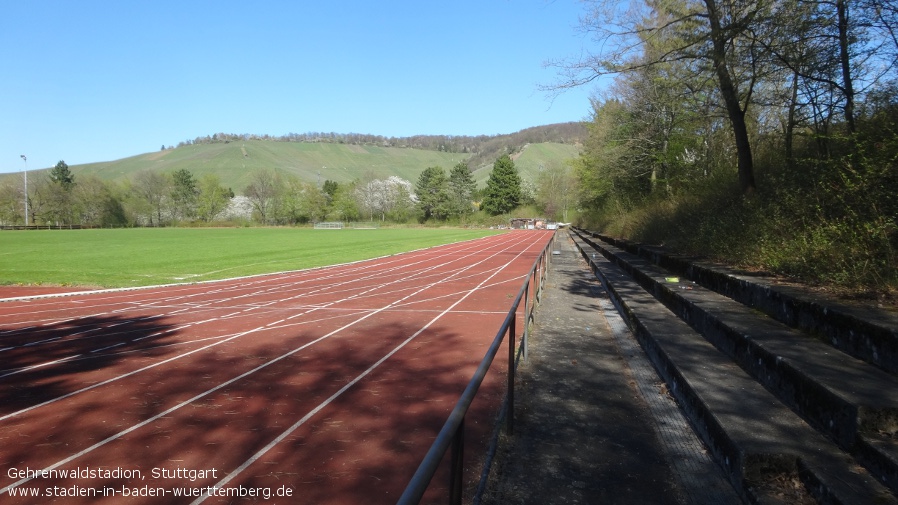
[26, 188]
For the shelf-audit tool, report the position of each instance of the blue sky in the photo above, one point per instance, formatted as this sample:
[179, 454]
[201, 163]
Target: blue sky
[86, 81]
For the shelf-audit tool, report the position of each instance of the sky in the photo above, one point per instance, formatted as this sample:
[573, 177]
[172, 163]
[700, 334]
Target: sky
[88, 81]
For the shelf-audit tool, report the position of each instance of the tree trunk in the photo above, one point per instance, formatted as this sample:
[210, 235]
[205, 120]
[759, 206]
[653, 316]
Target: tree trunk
[730, 95]
[842, 10]
[790, 124]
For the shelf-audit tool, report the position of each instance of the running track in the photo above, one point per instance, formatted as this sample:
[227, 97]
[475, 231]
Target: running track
[329, 384]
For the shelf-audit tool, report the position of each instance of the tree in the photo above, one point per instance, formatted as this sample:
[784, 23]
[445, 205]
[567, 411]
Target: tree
[298, 201]
[432, 193]
[329, 191]
[316, 202]
[97, 203]
[12, 209]
[61, 175]
[461, 190]
[184, 194]
[330, 188]
[40, 198]
[59, 197]
[213, 198]
[154, 190]
[503, 188]
[343, 206]
[556, 191]
[386, 197]
[262, 193]
[401, 199]
[717, 36]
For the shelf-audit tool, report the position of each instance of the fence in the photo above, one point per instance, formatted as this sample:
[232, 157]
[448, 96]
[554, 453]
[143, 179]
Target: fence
[46, 227]
[452, 433]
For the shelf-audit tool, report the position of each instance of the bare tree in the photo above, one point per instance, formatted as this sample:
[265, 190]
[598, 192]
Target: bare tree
[154, 189]
[716, 36]
[262, 193]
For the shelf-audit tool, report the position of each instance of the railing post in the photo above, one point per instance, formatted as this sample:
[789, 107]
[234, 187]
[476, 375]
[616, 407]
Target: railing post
[452, 433]
[458, 465]
[509, 418]
[527, 308]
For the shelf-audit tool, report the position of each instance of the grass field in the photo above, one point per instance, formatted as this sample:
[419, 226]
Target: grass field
[148, 256]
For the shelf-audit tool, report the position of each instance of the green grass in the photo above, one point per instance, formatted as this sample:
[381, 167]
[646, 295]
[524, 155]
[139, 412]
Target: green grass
[141, 257]
[533, 159]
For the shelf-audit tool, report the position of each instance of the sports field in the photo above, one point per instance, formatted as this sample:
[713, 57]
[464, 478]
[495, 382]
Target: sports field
[322, 386]
[150, 256]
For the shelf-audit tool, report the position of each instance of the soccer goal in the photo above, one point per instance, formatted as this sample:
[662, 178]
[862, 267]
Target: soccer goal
[329, 225]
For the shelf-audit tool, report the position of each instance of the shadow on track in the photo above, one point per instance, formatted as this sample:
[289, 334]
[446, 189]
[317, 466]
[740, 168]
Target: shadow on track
[40, 363]
[363, 443]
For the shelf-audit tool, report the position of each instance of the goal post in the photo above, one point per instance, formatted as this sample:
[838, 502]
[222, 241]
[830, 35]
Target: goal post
[329, 225]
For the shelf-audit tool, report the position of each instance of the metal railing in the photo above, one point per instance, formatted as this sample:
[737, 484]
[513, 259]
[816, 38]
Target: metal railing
[45, 227]
[453, 432]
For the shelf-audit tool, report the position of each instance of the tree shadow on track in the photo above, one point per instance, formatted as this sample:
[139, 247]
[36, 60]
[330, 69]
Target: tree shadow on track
[38, 364]
[363, 444]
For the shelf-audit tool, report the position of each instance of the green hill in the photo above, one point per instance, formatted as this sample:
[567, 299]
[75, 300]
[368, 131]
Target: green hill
[235, 162]
[532, 159]
[312, 162]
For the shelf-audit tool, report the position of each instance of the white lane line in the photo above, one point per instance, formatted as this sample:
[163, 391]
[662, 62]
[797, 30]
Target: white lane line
[207, 392]
[108, 347]
[286, 433]
[151, 366]
[114, 379]
[151, 336]
[399, 263]
[32, 367]
[40, 342]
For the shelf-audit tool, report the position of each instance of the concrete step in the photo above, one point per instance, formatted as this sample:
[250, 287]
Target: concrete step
[839, 393]
[755, 436]
[852, 402]
[863, 332]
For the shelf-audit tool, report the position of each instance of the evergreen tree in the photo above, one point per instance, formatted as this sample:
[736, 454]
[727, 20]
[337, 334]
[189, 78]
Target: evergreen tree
[184, 193]
[60, 202]
[461, 190]
[62, 175]
[503, 188]
[433, 193]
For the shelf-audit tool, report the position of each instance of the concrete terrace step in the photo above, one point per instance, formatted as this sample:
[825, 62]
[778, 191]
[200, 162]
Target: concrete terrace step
[863, 332]
[853, 402]
[753, 434]
[832, 389]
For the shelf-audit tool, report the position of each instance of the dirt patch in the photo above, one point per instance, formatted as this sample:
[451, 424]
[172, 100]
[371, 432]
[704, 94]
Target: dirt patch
[784, 488]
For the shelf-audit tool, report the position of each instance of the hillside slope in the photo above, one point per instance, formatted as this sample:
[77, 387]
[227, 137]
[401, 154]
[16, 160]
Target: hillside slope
[532, 159]
[235, 162]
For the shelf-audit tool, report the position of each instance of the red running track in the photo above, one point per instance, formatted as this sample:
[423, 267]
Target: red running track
[321, 386]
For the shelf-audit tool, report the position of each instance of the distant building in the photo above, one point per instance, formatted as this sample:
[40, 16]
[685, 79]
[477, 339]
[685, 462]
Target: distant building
[528, 223]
